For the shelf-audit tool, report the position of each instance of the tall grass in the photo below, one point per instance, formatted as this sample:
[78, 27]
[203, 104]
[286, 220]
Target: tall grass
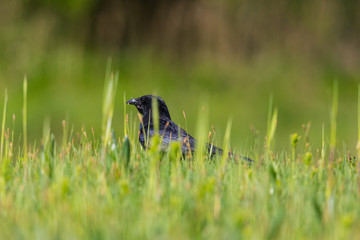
[3, 126]
[68, 194]
[333, 118]
[108, 110]
[271, 128]
[24, 112]
[358, 143]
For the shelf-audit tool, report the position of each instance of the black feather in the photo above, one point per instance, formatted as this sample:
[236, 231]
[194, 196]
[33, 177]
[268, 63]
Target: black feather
[167, 128]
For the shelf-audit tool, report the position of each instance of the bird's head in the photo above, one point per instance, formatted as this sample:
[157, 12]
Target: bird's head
[144, 105]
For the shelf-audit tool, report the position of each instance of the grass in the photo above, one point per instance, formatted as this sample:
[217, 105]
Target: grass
[91, 188]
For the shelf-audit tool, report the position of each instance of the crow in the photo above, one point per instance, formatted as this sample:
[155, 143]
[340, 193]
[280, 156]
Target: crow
[168, 130]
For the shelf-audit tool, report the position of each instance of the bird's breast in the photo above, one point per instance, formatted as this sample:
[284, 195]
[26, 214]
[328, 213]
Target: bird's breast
[142, 138]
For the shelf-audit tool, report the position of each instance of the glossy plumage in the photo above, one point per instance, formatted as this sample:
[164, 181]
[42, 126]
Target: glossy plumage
[167, 128]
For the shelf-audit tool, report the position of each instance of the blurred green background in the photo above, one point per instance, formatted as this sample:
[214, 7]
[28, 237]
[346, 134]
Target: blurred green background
[230, 55]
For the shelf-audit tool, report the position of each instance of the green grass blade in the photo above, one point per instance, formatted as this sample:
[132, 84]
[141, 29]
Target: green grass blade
[125, 117]
[107, 111]
[272, 130]
[226, 143]
[270, 112]
[155, 114]
[202, 126]
[334, 112]
[25, 146]
[3, 126]
[358, 143]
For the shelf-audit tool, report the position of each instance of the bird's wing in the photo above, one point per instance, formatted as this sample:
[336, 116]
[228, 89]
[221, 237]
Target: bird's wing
[172, 133]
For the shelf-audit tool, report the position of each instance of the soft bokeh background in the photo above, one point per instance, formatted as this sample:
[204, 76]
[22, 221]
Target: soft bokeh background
[230, 55]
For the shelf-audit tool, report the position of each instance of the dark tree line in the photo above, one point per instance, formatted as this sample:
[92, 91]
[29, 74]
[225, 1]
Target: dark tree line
[185, 26]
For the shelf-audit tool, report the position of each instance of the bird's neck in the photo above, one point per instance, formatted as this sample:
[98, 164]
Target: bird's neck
[147, 119]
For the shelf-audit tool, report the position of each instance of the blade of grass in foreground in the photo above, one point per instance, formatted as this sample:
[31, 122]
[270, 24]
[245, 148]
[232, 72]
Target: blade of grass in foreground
[333, 117]
[202, 126]
[107, 112]
[125, 117]
[3, 125]
[25, 86]
[322, 145]
[271, 128]
[271, 133]
[270, 110]
[155, 114]
[226, 143]
[358, 143]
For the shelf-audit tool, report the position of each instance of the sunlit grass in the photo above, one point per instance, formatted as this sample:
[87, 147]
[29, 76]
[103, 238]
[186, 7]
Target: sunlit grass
[90, 188]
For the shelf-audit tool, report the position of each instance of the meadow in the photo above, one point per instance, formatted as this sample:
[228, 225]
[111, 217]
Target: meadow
[273, 81]
[100, 184]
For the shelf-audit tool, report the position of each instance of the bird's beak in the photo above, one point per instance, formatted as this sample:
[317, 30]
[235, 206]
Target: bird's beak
[132, 102]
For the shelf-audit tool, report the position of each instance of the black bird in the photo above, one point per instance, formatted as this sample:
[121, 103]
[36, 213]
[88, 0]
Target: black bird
[167, 128]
